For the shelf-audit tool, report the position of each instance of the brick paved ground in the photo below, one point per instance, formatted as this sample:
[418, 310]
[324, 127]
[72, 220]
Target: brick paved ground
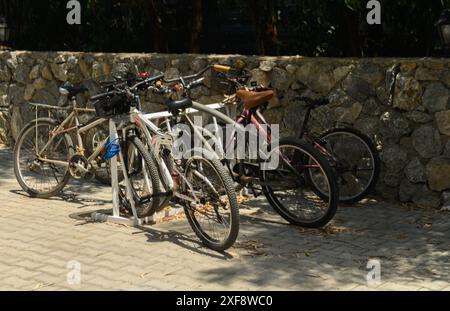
[40, 238]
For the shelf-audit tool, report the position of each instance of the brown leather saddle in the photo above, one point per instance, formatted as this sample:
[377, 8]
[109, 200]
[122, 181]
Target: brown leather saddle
[254, 99]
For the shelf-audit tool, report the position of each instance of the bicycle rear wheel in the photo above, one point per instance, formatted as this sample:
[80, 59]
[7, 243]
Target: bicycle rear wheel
[37, 176]
[214, 217]
[356, 163]
[287, 189]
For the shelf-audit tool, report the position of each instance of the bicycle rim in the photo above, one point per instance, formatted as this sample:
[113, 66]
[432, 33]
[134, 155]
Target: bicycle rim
[214, 216]
[290, 192]
[355, 165]
[37, 177]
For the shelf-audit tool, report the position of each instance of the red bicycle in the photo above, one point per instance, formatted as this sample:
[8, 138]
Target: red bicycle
[291, 186]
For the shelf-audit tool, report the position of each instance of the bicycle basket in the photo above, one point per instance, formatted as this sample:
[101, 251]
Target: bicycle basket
[111, 106]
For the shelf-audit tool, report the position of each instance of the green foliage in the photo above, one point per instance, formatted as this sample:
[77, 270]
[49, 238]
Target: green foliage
[304, 27]
[353, 5]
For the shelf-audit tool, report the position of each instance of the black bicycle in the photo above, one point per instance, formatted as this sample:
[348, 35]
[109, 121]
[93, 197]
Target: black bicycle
[351, 153]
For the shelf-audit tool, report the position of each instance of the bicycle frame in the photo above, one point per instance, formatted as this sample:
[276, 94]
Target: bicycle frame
[158, 138]
[317, 143]
[254, 116]
[73, 126]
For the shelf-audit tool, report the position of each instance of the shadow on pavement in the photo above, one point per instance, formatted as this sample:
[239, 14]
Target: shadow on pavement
[410, 244]
[182, 240]
[83, 201]
[6, 165]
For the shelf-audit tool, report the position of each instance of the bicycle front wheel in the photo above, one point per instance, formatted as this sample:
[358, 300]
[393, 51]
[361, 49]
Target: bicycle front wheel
[214, 216]
[287, 186]
[143, 177]
[40, 161]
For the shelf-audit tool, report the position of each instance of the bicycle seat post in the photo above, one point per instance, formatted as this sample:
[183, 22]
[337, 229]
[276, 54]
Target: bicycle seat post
[305, 121]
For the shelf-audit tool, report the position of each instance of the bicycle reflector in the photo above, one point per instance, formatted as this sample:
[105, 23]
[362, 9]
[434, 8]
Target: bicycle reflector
[112, 149]
[176, 88]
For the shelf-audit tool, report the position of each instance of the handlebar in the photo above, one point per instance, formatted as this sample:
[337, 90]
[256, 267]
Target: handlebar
[147, 81]
[221, 68]
[216, 67]
[106, 94]
[181, 78]
[159, 89]
[128, 90]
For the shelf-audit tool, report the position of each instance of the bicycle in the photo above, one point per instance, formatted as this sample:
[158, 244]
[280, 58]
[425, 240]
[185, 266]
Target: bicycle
[198, 183]
[341, 145]
[352, 155]
[45, 157]
[285, 187]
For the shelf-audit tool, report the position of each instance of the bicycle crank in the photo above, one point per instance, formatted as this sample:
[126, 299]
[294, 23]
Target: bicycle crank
[79, 167]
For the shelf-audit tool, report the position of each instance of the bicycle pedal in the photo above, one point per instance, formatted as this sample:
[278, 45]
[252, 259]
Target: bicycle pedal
[254, 192]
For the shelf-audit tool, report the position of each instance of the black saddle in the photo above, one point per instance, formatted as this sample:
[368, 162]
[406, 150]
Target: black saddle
[314, 103]
[176, 105]
[72, 90]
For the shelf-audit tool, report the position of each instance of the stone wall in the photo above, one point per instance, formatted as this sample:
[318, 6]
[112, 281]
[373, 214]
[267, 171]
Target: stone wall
[413, 134]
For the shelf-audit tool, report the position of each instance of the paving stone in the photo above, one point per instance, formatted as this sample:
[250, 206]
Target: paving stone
[39, 238]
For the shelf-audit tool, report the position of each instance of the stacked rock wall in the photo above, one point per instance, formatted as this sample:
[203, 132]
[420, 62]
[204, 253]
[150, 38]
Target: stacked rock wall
[412, 133]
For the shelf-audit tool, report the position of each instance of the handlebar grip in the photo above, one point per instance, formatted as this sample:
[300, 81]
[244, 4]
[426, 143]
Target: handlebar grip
[100, 96]
[221, 68]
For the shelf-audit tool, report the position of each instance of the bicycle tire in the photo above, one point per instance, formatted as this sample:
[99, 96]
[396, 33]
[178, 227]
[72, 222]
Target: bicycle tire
[16, 154]
[234, 212]
[142, 209]
[371, 148]
[282, 210]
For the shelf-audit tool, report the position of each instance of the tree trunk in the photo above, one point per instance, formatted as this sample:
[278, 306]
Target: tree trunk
[196, 26]
[159, 39]
[254, 7]
[351, 21]
[264, 17]
[271, 40]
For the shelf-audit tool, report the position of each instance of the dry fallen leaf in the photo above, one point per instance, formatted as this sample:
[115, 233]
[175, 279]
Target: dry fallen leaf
[143, 275]
[233, 254]
[253, 247]
[178, 216]
[332, 229]
[328, 230]
[242, 199]
[258, 212]
[42, 285]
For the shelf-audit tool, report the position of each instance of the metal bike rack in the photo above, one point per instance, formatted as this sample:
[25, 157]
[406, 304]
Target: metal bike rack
[115, 217]
[135, 220]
